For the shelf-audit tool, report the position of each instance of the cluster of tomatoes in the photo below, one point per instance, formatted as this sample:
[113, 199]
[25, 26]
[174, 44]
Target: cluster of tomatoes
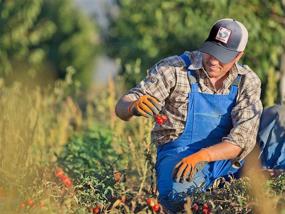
[160, 119]
[31, 204]
[64, 178]
[155, 206]
[205, 208]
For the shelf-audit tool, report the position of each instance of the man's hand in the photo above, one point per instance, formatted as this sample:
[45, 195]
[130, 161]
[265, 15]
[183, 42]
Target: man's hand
[146, 106]
[190, 165]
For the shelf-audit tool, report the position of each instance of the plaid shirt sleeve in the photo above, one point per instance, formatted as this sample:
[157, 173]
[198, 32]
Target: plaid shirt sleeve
[158, 82]
[246, 115]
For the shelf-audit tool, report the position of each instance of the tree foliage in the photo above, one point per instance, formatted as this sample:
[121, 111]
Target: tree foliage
[150, 30]
[17, 31]
[38, 33]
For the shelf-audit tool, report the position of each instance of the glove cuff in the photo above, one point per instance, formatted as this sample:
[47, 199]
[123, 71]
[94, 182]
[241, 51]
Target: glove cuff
[205, 155]
[130, 108]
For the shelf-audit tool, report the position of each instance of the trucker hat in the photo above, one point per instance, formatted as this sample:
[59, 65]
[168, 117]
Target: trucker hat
[227, 38]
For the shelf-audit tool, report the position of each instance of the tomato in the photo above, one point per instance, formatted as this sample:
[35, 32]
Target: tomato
[160, 122]
[63, 177]
[156, 207]
[205, 206]
[22, 205]
[150, 202]
[30, 202]
[205, 211]
[59, 172]
[195, 207]
[96, 210]
[160, 119]
[67, 182]
[164, 117]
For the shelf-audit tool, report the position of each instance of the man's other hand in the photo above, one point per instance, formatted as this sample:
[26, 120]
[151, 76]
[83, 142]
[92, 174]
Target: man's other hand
[146, 106]
[190, 165]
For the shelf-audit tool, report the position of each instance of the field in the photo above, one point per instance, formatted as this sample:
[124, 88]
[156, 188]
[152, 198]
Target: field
[62, 148]
[70, 154]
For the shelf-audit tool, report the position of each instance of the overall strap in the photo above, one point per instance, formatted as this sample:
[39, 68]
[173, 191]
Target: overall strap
[235, 86]
[185, 59]
[191, 74]
[237, 80]
[192, 80]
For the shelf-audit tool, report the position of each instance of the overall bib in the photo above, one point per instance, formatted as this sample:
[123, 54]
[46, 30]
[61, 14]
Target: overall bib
[208, 121]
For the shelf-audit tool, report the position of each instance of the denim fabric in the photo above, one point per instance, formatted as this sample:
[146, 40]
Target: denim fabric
[271, 137]
[208, 121]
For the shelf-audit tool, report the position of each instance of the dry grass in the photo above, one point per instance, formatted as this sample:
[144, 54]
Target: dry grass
[34, 125]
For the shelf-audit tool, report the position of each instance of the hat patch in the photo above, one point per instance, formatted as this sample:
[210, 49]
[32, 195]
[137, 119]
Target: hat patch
[223, 35]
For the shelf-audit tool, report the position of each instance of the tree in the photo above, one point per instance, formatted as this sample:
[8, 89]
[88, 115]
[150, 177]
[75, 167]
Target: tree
[282, 64]
[16, 27]
[150, 30]
[74, 41]
[40, 33]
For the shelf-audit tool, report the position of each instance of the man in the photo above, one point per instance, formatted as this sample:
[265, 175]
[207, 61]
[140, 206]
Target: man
[271, 139]
[213, 108]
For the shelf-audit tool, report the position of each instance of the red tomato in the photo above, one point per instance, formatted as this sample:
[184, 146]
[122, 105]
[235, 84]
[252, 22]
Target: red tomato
[30, 202]
[150, 202]
[59, 172]
[22, 205]
[195, 207]
[63, 177]
[156, 207]
[67, 182]
[159, 120]
[205, 206]
[164, 117]
[96, 210]
[206, 211]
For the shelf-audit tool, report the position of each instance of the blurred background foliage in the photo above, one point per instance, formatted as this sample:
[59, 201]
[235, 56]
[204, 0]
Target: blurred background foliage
[146, 31]
[46, 36]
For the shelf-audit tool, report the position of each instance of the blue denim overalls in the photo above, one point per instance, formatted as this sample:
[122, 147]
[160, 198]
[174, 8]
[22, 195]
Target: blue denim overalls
[271, 138]
[208, 121]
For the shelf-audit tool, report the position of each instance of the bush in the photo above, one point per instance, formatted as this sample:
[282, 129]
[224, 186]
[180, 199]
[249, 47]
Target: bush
[90, 159]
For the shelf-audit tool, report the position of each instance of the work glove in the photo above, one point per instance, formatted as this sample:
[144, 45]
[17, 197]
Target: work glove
[190, 165]
[146, 106]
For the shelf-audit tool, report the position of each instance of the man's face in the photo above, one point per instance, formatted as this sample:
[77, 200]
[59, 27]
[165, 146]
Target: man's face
[215, 68]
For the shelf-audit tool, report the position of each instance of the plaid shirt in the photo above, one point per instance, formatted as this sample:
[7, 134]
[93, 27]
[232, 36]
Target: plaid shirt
[167, 81]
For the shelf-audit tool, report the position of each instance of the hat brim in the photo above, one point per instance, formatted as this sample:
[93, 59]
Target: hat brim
[223, 54]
